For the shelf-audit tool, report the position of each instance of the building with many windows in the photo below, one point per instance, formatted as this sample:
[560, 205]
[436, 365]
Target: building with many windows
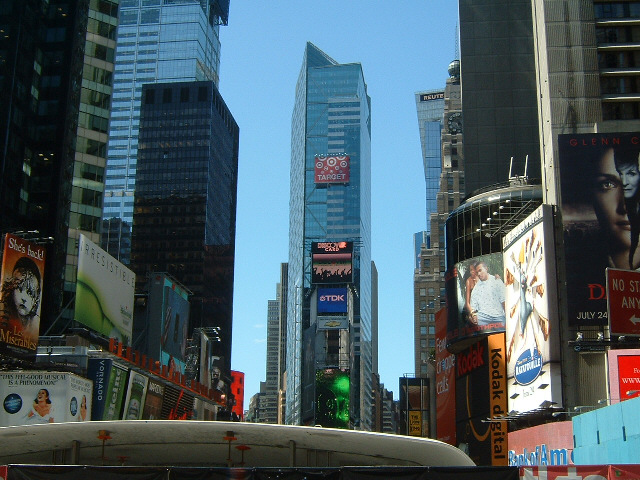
[185, 203]
[158, 41]
[329, 311]
[56, 72]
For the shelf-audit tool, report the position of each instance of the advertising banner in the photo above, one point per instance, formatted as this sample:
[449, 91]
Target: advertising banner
[116, 390]
[44, 397]
[445, 383]
[331, 262]
[333, 323]
[332, 398]
[478, 301]
[136, 392]
[532, 342]
[21, 297]
[624, 374]
[473, 406]
[332, 300]
[153, 401]
[498, 402]
[623, 301]
[99, 371]
[104, 292]
[590, 472]
[331, 169]
[547, 444]
[600, 216]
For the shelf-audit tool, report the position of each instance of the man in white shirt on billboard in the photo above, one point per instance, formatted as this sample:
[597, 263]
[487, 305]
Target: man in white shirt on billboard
[487, 298]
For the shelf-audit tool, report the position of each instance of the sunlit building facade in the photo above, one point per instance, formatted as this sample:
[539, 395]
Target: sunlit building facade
[331, 122]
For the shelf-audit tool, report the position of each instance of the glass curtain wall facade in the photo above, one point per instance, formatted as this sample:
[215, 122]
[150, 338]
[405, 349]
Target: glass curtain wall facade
[56, 65]
[158, 41]
[331, 116]
[430, 108]
[185, 201]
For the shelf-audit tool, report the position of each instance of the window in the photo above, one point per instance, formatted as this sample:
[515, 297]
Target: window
[423, 330]
[423, 292]
[166, 95]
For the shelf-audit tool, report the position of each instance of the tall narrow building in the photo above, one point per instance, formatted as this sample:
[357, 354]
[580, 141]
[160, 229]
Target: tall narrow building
[329, 311]
[56, 70]
[157, 42]
[185, 202]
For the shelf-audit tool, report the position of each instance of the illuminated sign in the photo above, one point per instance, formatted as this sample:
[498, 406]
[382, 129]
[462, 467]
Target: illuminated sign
[332, 300]
[331, 262]
[332, 398]
[331, 169]
[426, 97]
[333, 323]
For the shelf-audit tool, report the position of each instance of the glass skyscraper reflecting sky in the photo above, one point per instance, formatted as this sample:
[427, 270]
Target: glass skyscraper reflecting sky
[157, 42]
[331, 117]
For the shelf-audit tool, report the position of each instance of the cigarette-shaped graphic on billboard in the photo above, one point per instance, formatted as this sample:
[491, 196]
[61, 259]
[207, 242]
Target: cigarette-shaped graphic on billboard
[600, 215]
[331, 169]
[532, 347]
[104, 292]
[44, 397]
[21, 297]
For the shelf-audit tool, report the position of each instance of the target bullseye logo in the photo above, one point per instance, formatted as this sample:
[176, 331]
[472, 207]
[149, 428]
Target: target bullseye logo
[332, 169]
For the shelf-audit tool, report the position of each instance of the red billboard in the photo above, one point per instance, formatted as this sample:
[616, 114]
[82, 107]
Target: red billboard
[21, 297]
[624, 374]
[445, 383]
[331, 169]
[600, 216]
[623, 301]
[547, 444]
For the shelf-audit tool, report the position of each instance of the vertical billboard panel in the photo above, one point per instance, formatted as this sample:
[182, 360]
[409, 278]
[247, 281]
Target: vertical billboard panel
[104, 292]
[332, 300]
[331, 169]
[445, 383]
[476, 308]
[136, 392]
[153, 401]
[21, 297]
[331, 262]
[498, 402]
[532, 342]
[116, 390]
[600, 195]
[332, 398]
[624, 374]
[44, 397]
[473, 402]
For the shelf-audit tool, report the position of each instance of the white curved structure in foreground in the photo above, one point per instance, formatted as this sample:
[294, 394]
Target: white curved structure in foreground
[198, 443]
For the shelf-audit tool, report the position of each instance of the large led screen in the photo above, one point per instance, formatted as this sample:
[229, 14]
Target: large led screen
[600, 192]
[532, 345]
[331, 262]
[104, 292]
[332, 398]
[476, 308]
[332, 300]
[21, 297]
[331, 169]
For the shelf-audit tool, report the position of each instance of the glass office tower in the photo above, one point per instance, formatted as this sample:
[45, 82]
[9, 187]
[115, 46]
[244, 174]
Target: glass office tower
[158, 41]
[185, 202]
[330, 207]
[430, 109]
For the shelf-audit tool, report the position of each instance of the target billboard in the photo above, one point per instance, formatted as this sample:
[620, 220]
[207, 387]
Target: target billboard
[331, 169]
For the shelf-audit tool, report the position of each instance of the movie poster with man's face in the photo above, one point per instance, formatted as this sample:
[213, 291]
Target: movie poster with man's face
[600, 206]
[21, 297]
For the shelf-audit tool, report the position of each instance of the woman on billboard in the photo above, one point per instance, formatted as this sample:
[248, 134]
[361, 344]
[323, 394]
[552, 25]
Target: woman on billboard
[629, 172]
[20, 295]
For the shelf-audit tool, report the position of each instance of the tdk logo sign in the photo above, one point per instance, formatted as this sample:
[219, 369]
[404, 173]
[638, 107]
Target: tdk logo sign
[332, 298]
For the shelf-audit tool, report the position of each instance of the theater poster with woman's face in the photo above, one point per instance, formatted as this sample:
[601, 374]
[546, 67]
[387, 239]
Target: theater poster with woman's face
[20, 296]
[600, 195]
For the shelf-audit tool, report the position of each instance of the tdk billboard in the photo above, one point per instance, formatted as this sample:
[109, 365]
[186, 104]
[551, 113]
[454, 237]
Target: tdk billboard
[332, 300]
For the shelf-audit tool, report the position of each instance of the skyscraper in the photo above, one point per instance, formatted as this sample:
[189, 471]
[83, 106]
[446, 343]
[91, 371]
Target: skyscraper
[56, 64]
[329, 299]
[185, 202]
[430, 108]
[157, 42]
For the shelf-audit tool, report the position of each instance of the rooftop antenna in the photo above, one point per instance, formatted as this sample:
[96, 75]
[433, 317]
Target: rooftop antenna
[456, 53]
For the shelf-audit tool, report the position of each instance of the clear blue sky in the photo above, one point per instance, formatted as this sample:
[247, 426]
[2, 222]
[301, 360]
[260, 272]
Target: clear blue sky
[404, 46]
